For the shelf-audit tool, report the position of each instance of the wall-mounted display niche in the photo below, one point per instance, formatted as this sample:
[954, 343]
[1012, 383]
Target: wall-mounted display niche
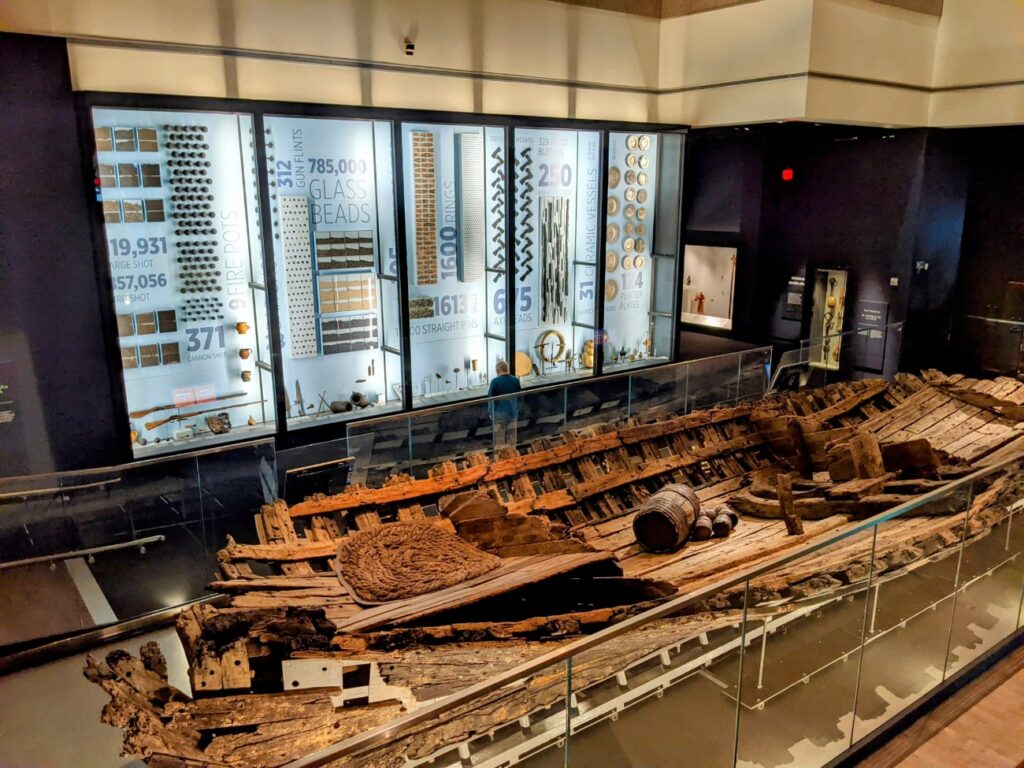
[332, 199]
[181, 212]
[558, 190]
[827, 315]
[455, 189]
[641, 248]
[709, 279]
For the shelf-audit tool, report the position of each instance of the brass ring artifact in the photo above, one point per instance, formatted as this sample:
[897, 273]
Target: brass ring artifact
[542, 346]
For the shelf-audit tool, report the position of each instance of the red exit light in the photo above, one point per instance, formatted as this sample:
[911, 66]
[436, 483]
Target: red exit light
[787, 174]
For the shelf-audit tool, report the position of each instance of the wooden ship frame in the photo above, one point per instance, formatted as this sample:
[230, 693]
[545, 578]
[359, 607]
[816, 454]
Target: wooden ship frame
[295, 660]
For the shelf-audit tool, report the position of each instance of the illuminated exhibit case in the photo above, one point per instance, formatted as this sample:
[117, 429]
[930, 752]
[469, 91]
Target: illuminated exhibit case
[709, 281]
[333, 216]
[182, 219]
[454, 188]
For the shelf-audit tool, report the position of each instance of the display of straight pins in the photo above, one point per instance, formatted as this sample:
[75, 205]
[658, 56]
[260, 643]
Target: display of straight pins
[554, 242]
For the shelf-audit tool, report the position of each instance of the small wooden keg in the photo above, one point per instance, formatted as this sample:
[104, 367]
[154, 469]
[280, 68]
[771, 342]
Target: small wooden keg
[665, 519]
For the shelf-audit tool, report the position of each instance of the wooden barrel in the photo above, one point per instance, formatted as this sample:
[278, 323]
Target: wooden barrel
[664, 521]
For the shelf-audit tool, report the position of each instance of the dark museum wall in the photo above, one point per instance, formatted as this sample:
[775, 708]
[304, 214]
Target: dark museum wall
[53, 353]
[876, 202]
[880, 203]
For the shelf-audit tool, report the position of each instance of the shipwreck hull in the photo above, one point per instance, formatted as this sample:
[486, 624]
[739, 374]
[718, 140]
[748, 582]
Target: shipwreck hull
[561, 511]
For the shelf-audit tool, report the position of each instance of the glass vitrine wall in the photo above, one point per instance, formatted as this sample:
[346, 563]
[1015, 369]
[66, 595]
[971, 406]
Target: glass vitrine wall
[332, 199]
[180, 202]
[181, 214]
[641, 247]
[557, 243]
[455, 190]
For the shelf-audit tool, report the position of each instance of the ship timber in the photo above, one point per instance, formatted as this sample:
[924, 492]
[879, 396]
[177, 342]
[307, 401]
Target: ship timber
[560, 517]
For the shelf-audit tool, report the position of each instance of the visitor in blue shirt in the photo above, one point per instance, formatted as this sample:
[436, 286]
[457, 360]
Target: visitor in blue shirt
[504, 413]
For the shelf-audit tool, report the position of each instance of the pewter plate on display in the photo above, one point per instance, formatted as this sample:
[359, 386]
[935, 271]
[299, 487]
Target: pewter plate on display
[641, 178]
[644, 161]
[629, 211]
[627, 244]
[641, 245]
[641, 196]
[627, 262]
[644, 142]
[630, 160]
[641, 229]
[629, 194]
[614, 175]
[613, 206]
[632, 142]
[612, 233]
[639, 261]
[641, 213]
[611, 290]
[611, 261]
[631, 177]
[628, 227]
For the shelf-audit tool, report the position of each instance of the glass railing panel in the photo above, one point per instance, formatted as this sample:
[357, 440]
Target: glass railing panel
[598, 401]
[382, 446]
[910, 608]
[529, 729]
[805, 623]
[659, 392]
[539, 415]
[654, 694]
[753, 372]
[991, 569]
[712, 382]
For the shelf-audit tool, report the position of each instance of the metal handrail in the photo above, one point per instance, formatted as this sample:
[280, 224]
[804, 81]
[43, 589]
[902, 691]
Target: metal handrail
[459, 404]
[17, 479]
[381, 734]
[90, 551]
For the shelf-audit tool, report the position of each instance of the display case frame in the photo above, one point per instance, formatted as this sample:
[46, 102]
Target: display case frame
[290, 437]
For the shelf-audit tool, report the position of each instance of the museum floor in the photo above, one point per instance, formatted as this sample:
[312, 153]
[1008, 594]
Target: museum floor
[801, 714]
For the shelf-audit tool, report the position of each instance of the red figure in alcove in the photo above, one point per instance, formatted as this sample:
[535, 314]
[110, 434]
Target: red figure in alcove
[699, 298]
